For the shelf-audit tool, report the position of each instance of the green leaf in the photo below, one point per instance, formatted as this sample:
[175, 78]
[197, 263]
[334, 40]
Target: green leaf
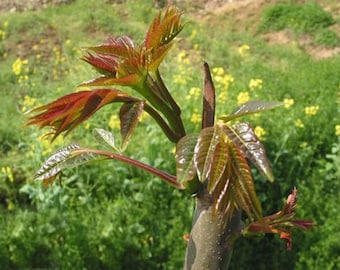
[67, 157]
[251, 107]
[129, 115]
[185, 169]
[53, 165]
[243, 136]
[243, 184]
[105, 137]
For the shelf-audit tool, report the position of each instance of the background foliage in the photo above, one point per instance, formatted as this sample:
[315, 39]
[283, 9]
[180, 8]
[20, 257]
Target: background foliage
[109, 216]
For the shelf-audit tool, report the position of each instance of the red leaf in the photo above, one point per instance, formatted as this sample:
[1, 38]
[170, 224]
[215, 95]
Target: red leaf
[129, 115]
[67, 112]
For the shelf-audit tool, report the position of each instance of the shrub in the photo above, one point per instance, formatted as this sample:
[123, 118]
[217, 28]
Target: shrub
[301, 18]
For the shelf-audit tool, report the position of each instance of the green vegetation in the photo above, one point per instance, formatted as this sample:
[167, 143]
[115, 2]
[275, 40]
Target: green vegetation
[301, 18]
[99, 216]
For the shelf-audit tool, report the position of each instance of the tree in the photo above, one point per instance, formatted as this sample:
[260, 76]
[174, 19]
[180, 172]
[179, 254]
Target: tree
[211, 165]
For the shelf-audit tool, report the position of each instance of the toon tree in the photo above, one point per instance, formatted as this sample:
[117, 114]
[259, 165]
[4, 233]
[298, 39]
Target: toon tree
[211, 165]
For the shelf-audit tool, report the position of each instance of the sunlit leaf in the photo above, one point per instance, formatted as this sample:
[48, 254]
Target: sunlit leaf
[129, 115]
[53, 165]
[163, 29]
[243, 184]
[128, 80]
[209, 150]
[251, 107]
[185, 170]
[67, 112]
[217, 175]
[119, 47]
[105, 137]
[67, 157]
[243, 135]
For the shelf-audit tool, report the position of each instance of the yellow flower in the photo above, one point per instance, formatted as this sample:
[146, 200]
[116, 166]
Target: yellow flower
[5, 24]
[255, 83]
[181, 56]
[8, 172]
[298, 123]
[218, 71]
[196, 117]
[260, 133]
[28, 103]
[87, 125]
[222, 97]
[45, 144]
[18, 65]
[194, 93]
[22, 78]
[337, 130]
[114, 122]
[179, 79]
[144, 116]
[242, 98]
[244, 50]
[2, 35]
[311, 110]
[288, 102]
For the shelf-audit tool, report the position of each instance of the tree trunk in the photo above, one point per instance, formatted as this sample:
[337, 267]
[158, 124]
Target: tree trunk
[211, 240]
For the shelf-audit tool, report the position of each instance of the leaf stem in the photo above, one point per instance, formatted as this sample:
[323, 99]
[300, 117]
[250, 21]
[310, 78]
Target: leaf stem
[168, 178]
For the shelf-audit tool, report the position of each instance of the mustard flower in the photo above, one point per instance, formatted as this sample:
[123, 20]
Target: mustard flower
[337, 130]
[260, 132]
[7, 171]
[311, 110]
[22, 78]
[255, 83]
[288, 102]
[182, 58]
[28, 103]
[222, 97]
[2, 35]
[242, 98]
[18, 65]
[218, 71]
[194, 93]
[179, 79]
[244, 50]
[114, 122]
[298, 123]
[144, 116]
[196, 118]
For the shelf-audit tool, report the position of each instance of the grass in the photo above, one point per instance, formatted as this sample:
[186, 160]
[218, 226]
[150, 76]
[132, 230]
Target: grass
[106, 210]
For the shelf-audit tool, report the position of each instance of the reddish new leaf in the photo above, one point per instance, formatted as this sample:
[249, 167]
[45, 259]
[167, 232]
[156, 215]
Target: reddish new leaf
[210, 155]
[243, 135]
[118, 47]
[281, 222]
[129, 115]
[67, 112]
[243, 184]
[163, 30]
[105, 64]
